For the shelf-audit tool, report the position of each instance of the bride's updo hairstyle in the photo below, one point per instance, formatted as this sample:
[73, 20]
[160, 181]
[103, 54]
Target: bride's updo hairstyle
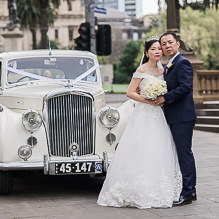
[147, 45]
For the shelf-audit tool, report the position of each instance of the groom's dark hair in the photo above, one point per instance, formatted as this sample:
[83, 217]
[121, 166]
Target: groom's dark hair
[169, 33]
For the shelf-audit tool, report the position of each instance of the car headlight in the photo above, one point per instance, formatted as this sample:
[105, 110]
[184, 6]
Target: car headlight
[109, 117]
[31, 120]
[25, 152]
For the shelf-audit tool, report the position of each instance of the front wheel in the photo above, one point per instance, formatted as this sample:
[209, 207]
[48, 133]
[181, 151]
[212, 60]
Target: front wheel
[6, 182]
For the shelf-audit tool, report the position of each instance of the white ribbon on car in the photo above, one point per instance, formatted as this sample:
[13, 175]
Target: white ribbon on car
[38, 77]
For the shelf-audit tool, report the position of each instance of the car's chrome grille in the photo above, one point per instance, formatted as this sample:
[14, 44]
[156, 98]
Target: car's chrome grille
[70, 119]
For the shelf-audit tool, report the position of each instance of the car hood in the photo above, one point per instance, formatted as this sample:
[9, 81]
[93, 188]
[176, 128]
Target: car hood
[31, 97]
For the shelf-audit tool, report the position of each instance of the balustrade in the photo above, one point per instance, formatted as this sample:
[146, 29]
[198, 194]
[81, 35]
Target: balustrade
[208, 82]
[207, 87]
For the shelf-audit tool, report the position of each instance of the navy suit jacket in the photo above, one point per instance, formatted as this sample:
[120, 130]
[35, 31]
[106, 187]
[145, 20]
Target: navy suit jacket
[179, 104]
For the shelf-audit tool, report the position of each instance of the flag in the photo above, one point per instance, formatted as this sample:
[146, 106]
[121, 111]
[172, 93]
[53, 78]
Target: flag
[100, 10]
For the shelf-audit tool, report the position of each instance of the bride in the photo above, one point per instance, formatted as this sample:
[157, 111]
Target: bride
[144, 171]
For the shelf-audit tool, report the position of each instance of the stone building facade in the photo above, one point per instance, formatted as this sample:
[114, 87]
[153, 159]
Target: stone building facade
[65, 28]
[63, 31]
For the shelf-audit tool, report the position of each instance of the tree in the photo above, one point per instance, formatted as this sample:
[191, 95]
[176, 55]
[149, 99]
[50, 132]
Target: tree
[126, 66]
[42, 13]
[29, 17]
[201, 5]
[53, 44]
[47, 17]
[200, 30]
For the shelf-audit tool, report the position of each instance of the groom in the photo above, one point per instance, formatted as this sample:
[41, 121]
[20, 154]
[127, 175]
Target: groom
[180, 112]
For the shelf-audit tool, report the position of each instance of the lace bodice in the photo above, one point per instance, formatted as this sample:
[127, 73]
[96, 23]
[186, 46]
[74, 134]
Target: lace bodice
[146, 78]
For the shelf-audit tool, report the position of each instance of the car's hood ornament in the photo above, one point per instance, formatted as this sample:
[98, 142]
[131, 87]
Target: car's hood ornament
[74, 148]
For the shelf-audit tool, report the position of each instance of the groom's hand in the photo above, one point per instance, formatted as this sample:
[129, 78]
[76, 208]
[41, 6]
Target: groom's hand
[159, 101]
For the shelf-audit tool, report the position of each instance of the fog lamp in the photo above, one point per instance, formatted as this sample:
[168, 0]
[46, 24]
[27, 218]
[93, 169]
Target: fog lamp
[25, 152]
[111, 138]
[32, 141]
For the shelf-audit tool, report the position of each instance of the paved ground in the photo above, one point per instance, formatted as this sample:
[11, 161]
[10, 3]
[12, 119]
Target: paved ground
[116, 98]
[43, 197]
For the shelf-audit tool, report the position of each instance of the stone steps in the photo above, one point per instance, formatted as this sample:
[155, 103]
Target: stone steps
[207, 127]
[207, 112]
[208, 116]
[208, 105]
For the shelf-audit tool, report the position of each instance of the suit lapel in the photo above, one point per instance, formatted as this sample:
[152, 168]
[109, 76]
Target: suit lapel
[173, 63]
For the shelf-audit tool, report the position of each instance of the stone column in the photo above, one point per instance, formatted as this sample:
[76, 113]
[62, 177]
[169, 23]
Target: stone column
[12, 39]
[196, 64]
[173, 26]
[172, 16]
[11, 32]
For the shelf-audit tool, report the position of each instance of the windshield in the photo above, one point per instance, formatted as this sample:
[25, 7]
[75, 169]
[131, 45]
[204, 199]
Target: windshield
[50, 68]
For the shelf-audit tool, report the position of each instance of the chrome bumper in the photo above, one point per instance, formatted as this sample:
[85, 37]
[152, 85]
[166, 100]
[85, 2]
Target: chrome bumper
[22, 166]
[48, 165]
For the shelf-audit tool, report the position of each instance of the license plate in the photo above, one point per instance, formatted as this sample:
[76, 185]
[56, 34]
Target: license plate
[78, 167]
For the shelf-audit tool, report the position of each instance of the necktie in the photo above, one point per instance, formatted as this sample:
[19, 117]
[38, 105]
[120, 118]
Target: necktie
[165, 69]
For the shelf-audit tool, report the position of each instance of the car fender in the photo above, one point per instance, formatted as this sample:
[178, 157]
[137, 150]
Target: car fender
[102, 145]
[13, 135]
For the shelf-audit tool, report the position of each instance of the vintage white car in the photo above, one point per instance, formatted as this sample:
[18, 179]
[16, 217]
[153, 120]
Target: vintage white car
[53, 115]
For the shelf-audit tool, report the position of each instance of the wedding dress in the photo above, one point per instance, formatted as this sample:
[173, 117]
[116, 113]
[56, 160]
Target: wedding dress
[144, 171]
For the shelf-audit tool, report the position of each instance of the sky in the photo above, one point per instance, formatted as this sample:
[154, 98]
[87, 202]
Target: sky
[149, 7]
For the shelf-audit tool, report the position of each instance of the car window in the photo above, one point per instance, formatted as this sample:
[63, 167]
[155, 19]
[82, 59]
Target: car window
[58, 68]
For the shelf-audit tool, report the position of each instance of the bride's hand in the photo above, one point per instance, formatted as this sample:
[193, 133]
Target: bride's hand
[149, 102]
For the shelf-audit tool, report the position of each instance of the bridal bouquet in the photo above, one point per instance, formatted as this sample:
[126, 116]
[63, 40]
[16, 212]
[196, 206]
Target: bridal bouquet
[155, 88]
